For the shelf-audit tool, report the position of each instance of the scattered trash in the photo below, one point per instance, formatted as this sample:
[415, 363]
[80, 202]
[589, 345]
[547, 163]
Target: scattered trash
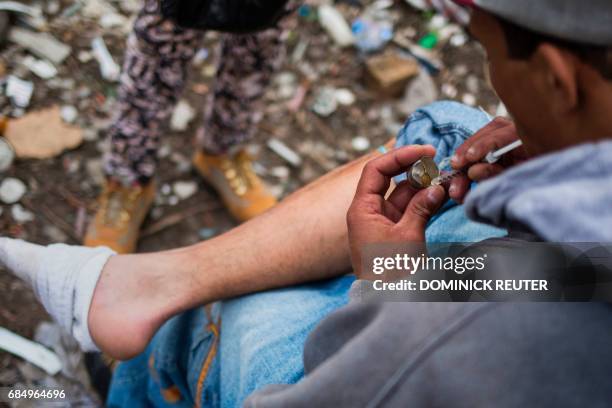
[20, 214]
[286, 83]
[41, 68]
[344, 96]
[449, 90]
[325, 102]
[182, 116]
[428, 41]
[374, 28]
[42, 134]
[280, 172]
[207, 233]
[30, 351]
[285, 152]
[69, 113]
[458, 40]
[12, 190]
[336, 26]
[389, 73]
[469, 99]
[108, 67]
[421, 91]
[19, 91]
[184, 189]
[7, 155]
[42, 45]
[360, 143]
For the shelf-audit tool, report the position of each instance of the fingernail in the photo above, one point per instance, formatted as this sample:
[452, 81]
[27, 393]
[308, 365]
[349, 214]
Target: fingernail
[452, 189]
[471, 153]
[454, 160]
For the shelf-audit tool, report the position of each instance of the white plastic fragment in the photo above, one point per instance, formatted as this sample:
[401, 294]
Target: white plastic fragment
[19, 8]
[30, 351]
[20, 214]
[360, 143]
[12, 190]
[184, 189]
[41, 68]
[285, 152]
[19, 91]
[108, 67]
[344, 96]
[7, 155]
[336, 26]
[69, 113]
[182, 115]
[42, 45]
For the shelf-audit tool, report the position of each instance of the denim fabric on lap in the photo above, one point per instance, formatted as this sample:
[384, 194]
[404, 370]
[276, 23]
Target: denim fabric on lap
[263, 334]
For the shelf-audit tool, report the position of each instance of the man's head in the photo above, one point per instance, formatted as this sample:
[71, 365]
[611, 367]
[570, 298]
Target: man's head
[558, 89]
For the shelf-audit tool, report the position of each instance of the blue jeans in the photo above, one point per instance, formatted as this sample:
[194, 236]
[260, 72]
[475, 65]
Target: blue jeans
[217, 356]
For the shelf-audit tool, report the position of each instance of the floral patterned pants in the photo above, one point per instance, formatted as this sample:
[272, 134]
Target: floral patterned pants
[154, 74]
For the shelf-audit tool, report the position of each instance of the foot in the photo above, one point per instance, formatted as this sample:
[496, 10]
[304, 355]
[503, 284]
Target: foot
[121, 212]
[242, 191]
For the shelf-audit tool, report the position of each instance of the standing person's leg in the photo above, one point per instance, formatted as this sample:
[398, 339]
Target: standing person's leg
[154, 72]
[234, 109]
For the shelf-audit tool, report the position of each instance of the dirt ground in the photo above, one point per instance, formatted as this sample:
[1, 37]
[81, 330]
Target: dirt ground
[61, 188]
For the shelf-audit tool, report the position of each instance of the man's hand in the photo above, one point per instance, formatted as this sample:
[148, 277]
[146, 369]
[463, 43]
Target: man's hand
[402, 216]
[469, 156]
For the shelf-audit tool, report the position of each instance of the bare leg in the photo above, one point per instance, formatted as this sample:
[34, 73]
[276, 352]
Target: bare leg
[302, 239]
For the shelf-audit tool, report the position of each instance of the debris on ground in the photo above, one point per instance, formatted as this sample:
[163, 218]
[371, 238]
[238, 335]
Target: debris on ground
[353, 74]
[389, 73]
[42, 134]
[12, 190]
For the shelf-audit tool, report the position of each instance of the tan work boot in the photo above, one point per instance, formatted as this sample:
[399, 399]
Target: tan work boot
[243, 193]
[121, 212]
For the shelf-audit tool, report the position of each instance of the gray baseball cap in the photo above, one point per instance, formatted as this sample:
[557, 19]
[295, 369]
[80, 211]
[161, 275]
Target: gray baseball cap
[582, 21]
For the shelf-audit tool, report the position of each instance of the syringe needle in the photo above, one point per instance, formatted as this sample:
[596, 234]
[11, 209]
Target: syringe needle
[495, 155]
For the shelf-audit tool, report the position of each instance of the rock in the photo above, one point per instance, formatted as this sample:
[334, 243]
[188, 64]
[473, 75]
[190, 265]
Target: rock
[389, 73]
[12, 190]
[21, 215]
[182, 115]
[360, 143]
[184, 189]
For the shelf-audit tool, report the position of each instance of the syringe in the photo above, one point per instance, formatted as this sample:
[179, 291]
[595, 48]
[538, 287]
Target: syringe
[443, 177]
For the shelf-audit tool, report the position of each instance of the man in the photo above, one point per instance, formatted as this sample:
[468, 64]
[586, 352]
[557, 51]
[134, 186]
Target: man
[386, 354]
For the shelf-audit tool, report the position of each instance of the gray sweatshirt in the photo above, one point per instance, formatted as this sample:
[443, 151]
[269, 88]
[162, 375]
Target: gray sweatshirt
[372, 354]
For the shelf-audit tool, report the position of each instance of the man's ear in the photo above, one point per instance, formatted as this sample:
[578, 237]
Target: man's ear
[559, 68]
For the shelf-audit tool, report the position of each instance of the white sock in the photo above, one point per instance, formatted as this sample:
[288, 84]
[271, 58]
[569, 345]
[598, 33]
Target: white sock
[63, 278]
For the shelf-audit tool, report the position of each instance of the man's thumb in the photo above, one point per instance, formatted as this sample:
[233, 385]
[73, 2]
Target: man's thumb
[422, 207]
